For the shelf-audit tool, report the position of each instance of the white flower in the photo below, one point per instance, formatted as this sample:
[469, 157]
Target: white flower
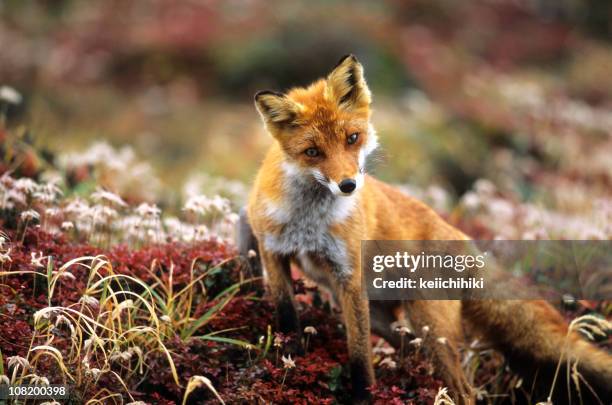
[232, 218]
[484, 187]
[288, 362]
[44, 196]
[26, 185]
[67, 225]
[310, 330]
[416, 342]
[173, 224]
[127, 355]
[10, 95]
[6, 180]
[53, 212]
[148, 210]
[102, 213]
[201, 233]
[15, 361]
[47, 192]
[37, 260]
[6, 256]
[251, 254]
[38, 380]
[13, 197]
[198, 204]
[93, 372]
[29, 215]
[403, 330]
[470, 200]
[501, 209]
[389, 363]
[103, 196]
[76, 207]
[220, 204]
[442, 340]
[121, 356]
[136, 350]
[278, 342]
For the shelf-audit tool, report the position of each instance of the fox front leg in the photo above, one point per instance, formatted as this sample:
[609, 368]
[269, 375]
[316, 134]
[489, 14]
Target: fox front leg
[281, 289]
[357, 320]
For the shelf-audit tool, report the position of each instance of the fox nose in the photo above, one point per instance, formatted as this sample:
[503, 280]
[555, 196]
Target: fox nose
[347, 185]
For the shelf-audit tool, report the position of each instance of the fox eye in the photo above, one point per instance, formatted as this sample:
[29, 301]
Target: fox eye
[312, 152]
[352, 138]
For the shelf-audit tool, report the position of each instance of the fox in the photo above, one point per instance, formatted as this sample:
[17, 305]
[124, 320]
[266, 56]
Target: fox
[312, 204]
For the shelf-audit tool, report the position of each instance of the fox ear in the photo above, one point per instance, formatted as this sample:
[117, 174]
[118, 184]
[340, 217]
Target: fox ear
[347, 86]
[276, 108]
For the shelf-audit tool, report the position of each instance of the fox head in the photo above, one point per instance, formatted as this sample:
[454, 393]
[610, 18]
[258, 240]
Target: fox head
[324, 130]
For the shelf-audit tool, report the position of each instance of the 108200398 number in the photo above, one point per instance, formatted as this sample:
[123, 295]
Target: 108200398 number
[53, 391]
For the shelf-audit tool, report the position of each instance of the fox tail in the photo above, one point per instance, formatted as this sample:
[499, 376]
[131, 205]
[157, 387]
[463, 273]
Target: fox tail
[543, 347]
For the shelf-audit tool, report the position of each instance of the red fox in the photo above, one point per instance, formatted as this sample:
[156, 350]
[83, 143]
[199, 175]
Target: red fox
[312, 204]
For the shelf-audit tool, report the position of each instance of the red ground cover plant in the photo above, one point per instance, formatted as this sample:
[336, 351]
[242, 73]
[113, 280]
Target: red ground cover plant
[259, 373]
[253, 374]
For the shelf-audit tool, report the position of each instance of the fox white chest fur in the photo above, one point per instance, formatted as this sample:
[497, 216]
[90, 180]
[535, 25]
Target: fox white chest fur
[305, 215]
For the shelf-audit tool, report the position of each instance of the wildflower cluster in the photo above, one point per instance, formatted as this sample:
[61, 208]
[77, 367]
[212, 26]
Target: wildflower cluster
[116, 169]
[510, 219]
[104, 323]
[105, 217]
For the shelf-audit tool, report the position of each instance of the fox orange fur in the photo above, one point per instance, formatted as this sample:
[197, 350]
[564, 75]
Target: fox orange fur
[312, 204]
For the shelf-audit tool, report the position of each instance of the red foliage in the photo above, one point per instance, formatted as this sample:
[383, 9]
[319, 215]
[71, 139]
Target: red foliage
[240, 376]
[318, 377]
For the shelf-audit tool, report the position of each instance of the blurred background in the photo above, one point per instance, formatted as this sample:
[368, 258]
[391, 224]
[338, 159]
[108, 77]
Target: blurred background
[497, 112]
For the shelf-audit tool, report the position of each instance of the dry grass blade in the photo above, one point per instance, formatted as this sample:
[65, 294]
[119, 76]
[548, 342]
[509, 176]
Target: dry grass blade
[198, 381]
[590, 326]
[53, 352]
